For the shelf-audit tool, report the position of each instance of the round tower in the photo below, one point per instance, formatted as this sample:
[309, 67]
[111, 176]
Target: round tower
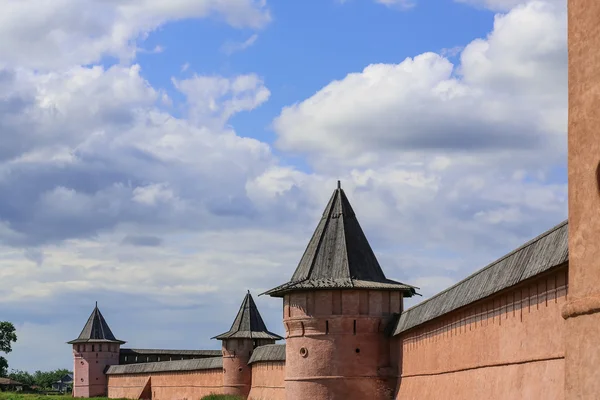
[247, 332]
[338, 310]
[94, 350]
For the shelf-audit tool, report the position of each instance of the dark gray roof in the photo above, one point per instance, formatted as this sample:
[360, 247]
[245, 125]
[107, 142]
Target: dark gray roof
[339, 256]
[209, 353]
[269, 352]
[96, 330]
[548, 250]
[167, 366]
[248, 324]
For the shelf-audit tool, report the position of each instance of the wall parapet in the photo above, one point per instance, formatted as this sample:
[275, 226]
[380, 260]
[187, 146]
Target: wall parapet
[167, 366]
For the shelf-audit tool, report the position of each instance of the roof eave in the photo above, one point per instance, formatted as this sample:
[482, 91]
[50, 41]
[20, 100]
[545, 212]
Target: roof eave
[409, 291]
[76, 341]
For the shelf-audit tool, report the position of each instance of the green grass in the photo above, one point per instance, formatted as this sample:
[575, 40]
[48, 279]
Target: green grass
[21, 396]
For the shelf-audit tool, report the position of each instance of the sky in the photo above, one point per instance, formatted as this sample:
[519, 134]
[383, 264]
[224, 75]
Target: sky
[162, 158]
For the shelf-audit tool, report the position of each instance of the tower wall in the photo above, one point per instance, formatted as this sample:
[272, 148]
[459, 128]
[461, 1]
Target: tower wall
[237, 374]
[90, 362]
[583, 308]
[336, 347]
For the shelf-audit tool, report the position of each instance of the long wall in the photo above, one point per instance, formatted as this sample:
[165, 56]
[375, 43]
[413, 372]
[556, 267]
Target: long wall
[194, 379]
[508, 346]
[268, 381]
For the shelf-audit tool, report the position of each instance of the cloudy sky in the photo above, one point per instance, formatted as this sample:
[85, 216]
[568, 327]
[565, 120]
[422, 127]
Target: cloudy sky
[162, 158]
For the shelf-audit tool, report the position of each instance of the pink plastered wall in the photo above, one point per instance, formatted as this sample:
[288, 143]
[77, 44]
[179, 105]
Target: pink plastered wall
[126, 386]
[336, 346]
[237, 374]
[268, 381]
[89, 364]
[509, 346]
[168, 385]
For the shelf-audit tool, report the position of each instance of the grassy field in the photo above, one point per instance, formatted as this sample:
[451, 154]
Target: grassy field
[17, 396]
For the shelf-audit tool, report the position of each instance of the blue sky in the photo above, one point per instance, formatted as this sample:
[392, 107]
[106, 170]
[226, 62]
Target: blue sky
[307, 45]
[163, 158]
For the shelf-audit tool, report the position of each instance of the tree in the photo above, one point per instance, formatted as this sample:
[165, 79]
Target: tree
[7, 337]
[45, 379]
[22, 376]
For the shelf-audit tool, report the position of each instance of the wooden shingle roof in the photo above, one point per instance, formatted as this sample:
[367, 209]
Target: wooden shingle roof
[205, 353]
[96, 330]
[167, 366]
[248, 324]
[546, 251]
[339, 256]
[269, 352]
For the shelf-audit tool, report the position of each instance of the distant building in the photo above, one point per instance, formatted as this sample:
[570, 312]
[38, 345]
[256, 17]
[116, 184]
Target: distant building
[64, 384]
[7, 384]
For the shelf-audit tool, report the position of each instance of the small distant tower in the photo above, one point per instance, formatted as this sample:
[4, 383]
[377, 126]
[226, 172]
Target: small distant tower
[247, 332]
[337, 308]
[93, 351]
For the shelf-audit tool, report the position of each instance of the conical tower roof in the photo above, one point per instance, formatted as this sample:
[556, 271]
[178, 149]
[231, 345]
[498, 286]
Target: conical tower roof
[248, 324]
[339, 256]
[96, 330]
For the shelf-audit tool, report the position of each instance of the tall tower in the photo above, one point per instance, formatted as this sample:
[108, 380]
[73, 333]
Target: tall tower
[582, 311]
[93, 351]
[337, 306]
[247, 332]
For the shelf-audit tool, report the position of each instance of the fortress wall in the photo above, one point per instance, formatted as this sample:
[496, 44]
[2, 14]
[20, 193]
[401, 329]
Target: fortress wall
[268, 381]
[186, 384]
[126, 386]
[167, 385]
[507, 346]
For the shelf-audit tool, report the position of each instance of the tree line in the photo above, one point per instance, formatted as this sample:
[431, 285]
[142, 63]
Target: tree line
[43, 380]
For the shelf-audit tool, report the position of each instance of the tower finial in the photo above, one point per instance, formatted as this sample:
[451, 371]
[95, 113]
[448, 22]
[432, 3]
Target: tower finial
[96, 304]
[339, 185]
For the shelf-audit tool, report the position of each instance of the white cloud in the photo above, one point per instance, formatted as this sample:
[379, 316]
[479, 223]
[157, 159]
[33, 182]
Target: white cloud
[214, 97]
[497, 100]
[402, 4]
[73, 32]
[231, 47]
[506, 5]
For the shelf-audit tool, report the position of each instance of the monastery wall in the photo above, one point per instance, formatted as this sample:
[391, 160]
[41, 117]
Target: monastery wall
[508, 346]
[186, 384]
[126, 386]
[268, 381]
[177, 385]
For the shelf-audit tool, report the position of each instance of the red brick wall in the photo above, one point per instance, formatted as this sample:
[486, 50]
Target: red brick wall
[509, 346]
[268, 381]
